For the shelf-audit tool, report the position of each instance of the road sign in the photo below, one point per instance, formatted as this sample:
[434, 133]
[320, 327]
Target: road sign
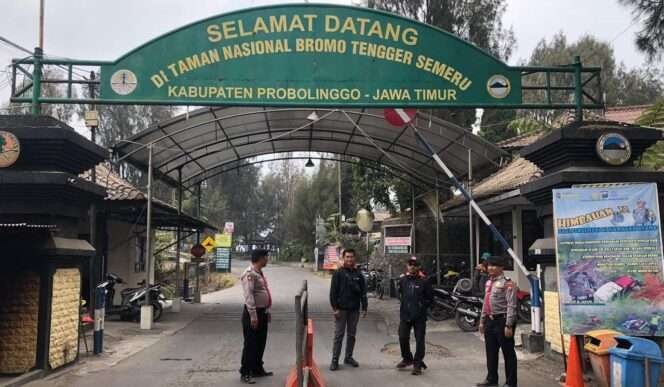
[197, 250]
[222, 259]
[399, 117]
[229, 227]
[223, 240]
[208, 243]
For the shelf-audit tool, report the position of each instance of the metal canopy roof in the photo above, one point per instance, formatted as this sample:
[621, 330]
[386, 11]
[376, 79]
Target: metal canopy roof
[196, 146]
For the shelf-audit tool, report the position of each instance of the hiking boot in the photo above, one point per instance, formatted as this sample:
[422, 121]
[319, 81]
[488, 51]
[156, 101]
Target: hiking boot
[404, 364]
[351, 362]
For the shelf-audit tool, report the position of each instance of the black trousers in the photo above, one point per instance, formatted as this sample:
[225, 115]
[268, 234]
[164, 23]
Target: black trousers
[254, 342]
[495, 340]
[420, 328]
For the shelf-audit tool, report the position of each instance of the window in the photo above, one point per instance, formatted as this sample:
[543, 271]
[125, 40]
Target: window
[139, 256]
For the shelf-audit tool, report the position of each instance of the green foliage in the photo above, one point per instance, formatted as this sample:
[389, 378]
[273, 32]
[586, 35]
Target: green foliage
[653, 157]
[293, 251]
[650, 39]
[478, 21]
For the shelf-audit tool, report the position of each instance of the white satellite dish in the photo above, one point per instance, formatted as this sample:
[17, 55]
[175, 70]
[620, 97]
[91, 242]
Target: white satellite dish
[364, 220]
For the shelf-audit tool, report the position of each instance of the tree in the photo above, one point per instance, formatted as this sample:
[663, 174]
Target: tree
[621, 86]
[650, 39]
[653, 157]
[478, 21]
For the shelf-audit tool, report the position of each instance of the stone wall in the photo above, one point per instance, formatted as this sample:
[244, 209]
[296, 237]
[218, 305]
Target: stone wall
[19, 308]
[65, 314]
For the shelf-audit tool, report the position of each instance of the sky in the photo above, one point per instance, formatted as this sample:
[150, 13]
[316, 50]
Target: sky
[104, 30]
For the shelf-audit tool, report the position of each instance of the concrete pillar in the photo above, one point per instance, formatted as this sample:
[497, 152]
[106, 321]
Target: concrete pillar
[517, 245]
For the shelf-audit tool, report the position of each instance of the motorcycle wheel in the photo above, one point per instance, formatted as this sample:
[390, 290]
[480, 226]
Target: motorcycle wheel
[157, 311]
[523, 310]
[466, 323]
[438, 313]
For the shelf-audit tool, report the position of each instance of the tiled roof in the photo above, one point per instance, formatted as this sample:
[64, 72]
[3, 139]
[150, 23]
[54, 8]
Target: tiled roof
[522, 141]
[515, 174]
[622, 114]
[117, 188]
[627, 114]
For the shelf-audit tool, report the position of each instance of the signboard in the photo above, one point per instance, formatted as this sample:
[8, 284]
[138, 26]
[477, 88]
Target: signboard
[609, 252]
[331, 258]
[208, 243]
[197, 250]
[311, 55]
[222, 258]
[397, 249]
[397, 241]
[229, 227]
[223, 240]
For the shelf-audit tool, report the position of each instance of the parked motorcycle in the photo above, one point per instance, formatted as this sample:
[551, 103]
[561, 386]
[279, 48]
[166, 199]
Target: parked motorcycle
[132, 299]
[374, 280]
[523, 306]
[443, 305]
[468, 306]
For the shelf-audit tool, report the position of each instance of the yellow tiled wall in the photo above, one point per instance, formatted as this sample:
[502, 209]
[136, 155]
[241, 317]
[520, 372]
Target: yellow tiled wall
[19, 311]
[64, 317]
[552, 322]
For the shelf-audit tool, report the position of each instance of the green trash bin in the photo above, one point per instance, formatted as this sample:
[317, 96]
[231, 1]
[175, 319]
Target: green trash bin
[628, 362]
[597, 345]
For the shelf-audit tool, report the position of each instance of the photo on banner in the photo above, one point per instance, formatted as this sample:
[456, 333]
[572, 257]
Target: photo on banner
[609, 254]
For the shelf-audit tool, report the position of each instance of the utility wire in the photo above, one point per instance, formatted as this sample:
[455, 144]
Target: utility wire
[15, 45]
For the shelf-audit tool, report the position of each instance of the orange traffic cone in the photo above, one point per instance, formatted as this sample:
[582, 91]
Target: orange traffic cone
[574, 376]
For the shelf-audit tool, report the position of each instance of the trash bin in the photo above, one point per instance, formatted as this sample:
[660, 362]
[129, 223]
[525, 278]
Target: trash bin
[597, 344]
[628, 361]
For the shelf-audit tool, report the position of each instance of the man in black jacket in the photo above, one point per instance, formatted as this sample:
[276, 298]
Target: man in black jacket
[347, 293]
[416, 295]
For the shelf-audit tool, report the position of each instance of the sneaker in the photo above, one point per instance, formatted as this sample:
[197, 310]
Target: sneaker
[247, 379]
[334, 366]
[417, 371]
[351, 362]
[486, 383]
[405, 363]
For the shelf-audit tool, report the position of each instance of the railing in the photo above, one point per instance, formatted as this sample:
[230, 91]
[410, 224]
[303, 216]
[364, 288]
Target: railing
[301, 323]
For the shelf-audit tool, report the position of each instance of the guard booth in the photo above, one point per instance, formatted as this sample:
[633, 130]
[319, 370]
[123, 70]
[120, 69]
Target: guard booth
[43, 207]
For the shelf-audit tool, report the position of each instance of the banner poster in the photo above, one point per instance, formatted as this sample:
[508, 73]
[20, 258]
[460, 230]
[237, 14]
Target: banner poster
[609, 253]
[222, 258]
[331, 257]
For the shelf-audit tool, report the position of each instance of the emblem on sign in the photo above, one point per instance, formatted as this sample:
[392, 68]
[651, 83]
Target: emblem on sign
[10, 148]
[124, 82]
[613, 148]
[498, 86]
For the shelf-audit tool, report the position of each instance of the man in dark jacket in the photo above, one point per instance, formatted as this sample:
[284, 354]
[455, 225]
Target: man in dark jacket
[416, 295]
[348, 292]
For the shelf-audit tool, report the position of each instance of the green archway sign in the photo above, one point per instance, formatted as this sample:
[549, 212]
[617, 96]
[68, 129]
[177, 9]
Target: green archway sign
[317, 55]
[314, 55]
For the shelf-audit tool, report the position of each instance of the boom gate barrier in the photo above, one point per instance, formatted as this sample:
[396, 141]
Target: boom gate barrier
[305, 373]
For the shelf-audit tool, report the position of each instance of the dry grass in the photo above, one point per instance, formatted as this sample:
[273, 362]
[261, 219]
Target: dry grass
[219, 281]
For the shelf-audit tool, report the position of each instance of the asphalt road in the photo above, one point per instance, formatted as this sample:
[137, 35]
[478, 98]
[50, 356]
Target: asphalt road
[207, 351]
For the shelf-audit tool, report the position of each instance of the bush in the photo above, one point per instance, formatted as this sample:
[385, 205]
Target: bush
[219, 281]
[295, 251]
